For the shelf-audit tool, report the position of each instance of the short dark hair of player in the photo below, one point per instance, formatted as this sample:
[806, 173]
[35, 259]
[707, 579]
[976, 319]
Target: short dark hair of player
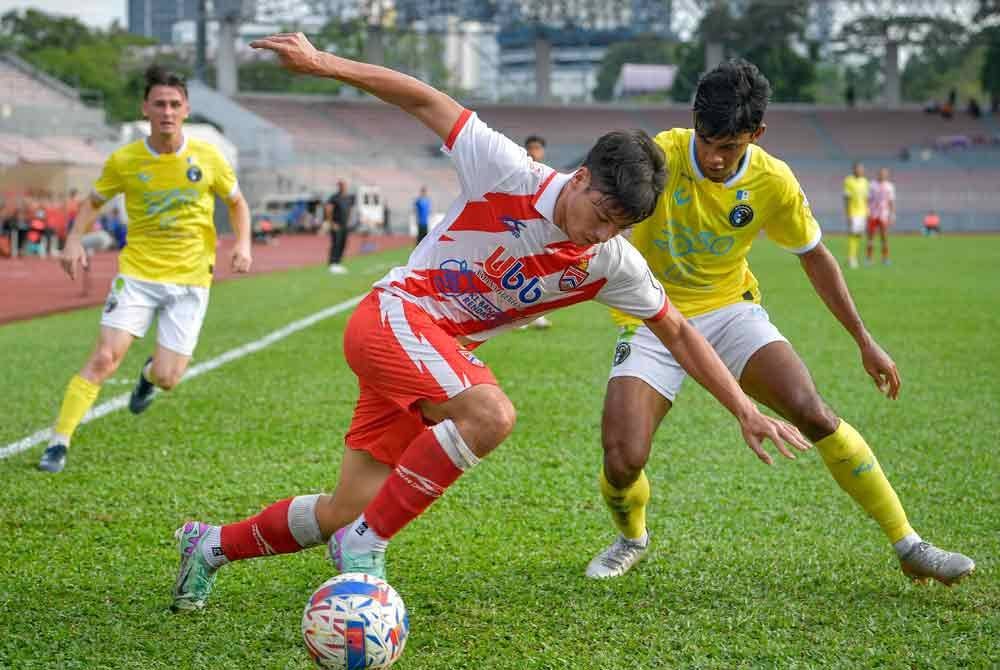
[157, 75]
[532, 139]
[630, 170]
[730, 100]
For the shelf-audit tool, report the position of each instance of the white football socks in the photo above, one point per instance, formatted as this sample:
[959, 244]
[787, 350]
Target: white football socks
[361, 539]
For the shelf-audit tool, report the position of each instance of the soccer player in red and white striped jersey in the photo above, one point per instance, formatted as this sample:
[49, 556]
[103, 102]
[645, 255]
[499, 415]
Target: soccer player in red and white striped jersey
[520, 240]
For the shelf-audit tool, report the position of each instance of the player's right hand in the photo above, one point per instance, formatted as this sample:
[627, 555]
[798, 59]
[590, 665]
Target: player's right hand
[757, 428]
[294, 51]
[73, 257]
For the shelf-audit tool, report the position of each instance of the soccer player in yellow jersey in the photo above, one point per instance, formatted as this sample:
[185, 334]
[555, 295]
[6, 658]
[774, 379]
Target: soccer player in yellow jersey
[855, 210]
[170, 182]
[722, 190]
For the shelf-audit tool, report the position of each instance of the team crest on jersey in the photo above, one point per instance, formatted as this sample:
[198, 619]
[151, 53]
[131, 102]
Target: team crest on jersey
[574, 275]
[194, 173]
[471, 357]
[513, 225]
[740, 216]
[622, 351]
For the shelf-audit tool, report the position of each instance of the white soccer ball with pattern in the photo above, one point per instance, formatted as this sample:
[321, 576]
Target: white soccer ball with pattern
[355, 621]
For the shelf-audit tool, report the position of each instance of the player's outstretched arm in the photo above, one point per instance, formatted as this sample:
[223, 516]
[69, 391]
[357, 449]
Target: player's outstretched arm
[700, 361]
[239, 214]
[825, 275]
[434, 109]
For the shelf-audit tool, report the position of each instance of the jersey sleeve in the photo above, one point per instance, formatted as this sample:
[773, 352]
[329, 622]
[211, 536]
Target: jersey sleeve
[482, 156]
[225, 185]
[110, 183]
[794, 227]
[631, 287]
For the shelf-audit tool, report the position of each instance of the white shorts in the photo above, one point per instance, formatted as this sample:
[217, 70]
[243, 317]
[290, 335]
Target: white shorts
[856, 225]
[132, 303]
[736, 332]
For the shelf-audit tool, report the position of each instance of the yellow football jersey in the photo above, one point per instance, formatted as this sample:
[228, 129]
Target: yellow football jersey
[697, 240]
[856, 192]
[170, 200]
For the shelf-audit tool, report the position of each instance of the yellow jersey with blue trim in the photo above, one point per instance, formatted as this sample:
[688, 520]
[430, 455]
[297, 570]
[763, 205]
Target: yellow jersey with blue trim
[170, 201]
[696, 241]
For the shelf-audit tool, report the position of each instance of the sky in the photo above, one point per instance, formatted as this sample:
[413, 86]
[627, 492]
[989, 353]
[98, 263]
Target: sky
[95, 13]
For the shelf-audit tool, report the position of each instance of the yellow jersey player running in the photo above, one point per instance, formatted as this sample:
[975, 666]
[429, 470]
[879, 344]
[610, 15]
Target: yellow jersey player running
[170, 182]
[721, 191]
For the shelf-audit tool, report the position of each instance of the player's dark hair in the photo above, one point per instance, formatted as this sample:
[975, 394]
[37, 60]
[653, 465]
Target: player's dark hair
[534, 138]
[157, 75]
[630, 170]
[731, 100]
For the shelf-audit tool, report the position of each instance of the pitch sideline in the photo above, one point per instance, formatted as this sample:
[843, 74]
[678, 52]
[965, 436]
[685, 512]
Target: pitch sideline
[121, 401]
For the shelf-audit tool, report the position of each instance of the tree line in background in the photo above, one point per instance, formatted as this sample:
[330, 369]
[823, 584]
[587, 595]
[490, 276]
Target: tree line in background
[944, 55]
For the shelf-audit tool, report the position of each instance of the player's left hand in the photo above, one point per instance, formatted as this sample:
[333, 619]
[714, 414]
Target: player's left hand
[294, 50]
[241, 259]
[881, 368]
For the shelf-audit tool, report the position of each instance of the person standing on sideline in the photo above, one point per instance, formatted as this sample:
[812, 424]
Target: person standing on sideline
[881, 214]
[423, 210]
[338, 214]
[855, 210]
[932, 223]
[428, 409]
[170, 182]
[535, 146]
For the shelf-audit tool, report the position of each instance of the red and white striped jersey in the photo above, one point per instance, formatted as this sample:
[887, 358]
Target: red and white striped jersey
[497, 260]
[880, 195]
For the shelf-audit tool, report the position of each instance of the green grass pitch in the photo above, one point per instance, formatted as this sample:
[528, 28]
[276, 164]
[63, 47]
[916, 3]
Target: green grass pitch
[752, 567]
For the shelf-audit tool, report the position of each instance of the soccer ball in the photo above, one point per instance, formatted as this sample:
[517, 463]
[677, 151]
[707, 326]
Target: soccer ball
[355, 621]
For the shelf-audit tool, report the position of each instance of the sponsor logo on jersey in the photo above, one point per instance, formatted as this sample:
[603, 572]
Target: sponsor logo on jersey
[471, 357]
[513, 225]
[622, 351]
[144, 177]
[742, 195]
[740, 216]
[509, 273]
[457, 281]
[681, 196]
[574, 275]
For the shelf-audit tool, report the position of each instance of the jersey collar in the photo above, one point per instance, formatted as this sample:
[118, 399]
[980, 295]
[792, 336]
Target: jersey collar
[180, 150]
[544, 201]
[740, 171]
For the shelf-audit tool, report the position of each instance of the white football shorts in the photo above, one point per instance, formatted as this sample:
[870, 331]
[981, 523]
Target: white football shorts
[856, 224]
[736, 332]
[132, 303]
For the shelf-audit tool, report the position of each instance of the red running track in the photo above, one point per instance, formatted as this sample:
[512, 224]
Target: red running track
[32, 286]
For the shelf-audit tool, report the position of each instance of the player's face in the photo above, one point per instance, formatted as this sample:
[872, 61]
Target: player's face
[883, 174]
[166, 108]
[586, 216]
[718, 157]
[536, 150]
[859, 170]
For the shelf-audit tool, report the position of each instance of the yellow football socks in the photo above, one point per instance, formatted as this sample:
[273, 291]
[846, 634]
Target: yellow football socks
[854, 466]
[853, 244]
[80, 395]
[628, 505]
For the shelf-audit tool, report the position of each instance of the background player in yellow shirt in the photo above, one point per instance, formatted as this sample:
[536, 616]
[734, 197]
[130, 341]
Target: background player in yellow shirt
[170, 182]
[722, 189]
[855, 210]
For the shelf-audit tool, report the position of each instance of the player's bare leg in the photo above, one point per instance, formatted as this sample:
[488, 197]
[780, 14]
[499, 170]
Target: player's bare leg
[466, 428]
[112, 345]
[884, 233]
[164, 370]
[633, 410]
[777, 377]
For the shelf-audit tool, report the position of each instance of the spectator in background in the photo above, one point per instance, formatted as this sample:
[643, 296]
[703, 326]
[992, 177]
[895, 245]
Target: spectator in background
[849, 95]
[338, 215]
[535, 146]
[932, 223]
[881, 214]
[112, 223]
[855, 211]
[974, 110]
[422, 205]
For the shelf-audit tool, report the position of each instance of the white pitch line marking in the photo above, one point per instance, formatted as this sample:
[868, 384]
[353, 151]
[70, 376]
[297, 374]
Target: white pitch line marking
[121, 401]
